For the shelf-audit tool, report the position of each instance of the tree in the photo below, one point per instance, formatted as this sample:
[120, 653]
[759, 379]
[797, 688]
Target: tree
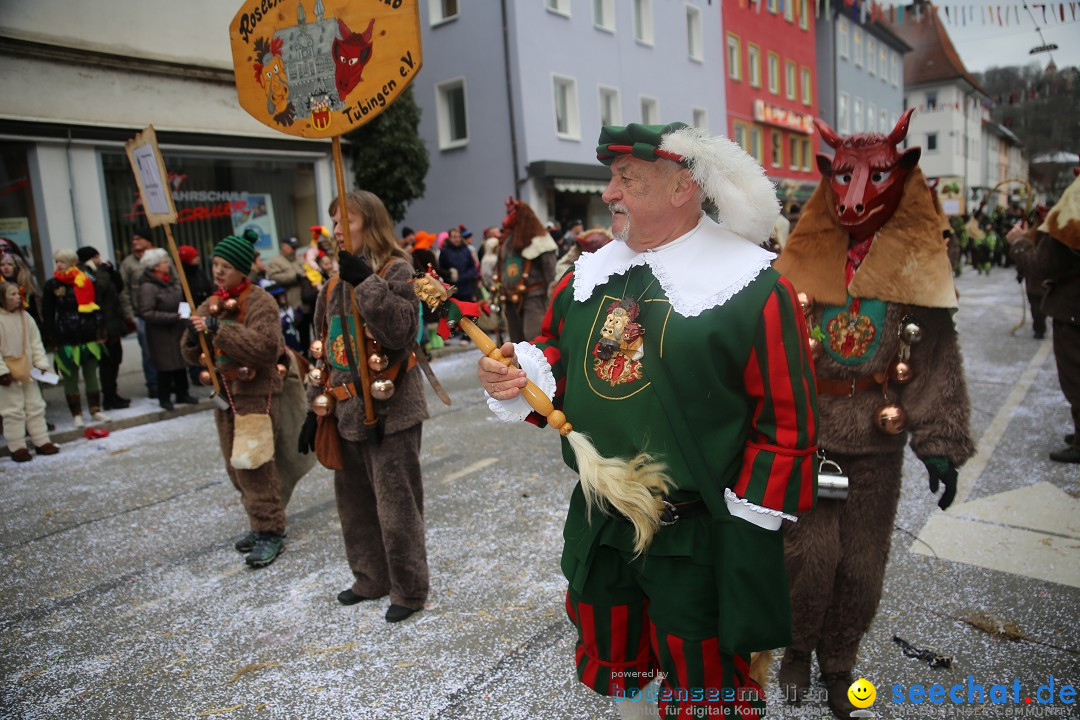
[389, 157]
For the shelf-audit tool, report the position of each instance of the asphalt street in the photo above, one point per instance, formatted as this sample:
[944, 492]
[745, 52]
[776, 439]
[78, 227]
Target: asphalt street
[122, 596]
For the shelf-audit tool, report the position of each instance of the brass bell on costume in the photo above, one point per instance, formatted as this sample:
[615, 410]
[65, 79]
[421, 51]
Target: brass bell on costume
[204, 377]
[316, 349]
[815, 347]
[202, 358]
[214, 307]
[378, 361]
[231, 304]
[323, 404]
[911, 333]
[382, 389]
[282, 371]
[806, 302]
[901, 372]
[890, 419]
[245, 373]
[315, 376]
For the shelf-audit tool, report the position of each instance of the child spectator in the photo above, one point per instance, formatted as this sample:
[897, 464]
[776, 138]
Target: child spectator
[21, 404]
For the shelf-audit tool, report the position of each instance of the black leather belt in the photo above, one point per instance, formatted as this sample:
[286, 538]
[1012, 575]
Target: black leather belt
[674, 512]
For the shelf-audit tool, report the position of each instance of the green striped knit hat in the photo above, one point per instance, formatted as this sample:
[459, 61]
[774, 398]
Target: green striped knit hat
[238, 252]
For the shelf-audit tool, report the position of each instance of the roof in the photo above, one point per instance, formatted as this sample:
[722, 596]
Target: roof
[933, 57]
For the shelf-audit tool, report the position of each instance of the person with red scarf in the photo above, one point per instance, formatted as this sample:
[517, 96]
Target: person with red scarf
[72, 328]
[160, 295]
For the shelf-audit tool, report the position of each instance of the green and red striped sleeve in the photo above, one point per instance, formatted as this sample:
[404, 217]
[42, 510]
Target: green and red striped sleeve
[548, 341]
[779, 468]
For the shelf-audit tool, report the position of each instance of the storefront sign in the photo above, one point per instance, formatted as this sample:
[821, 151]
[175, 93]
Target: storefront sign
[17, 230]
[319, 68]
[151, 177]
[257, 214]
[789, 119]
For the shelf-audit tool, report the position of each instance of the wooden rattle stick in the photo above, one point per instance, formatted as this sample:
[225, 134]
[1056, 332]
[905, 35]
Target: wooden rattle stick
[533, 395]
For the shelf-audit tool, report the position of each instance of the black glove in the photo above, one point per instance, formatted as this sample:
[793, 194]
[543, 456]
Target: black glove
[5, 379]
[353, 269]
[941, 469]
[306, 442]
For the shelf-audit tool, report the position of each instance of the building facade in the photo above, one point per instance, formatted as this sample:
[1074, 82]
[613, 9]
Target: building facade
[513, 95]
[771, 82]
[81, 79]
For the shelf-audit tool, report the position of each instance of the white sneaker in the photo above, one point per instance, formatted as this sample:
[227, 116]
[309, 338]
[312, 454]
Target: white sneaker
[100, 416]
[77, 421]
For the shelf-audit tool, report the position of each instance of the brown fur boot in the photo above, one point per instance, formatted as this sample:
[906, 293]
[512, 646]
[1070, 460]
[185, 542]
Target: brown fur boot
[837, 684]
[794, 677]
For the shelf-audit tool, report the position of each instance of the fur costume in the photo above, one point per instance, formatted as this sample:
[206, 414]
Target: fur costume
[524, 298]
[836, 555]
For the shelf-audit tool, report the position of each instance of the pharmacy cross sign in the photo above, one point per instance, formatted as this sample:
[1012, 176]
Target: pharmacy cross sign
[319, 68]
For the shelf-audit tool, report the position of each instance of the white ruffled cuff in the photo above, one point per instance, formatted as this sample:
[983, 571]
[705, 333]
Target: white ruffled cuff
[760, 516]
[536, 367]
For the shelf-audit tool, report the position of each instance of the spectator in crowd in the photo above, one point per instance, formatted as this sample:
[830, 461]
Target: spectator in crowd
[108, 288]
[160, 295]
[13, 269]
[458, 261]
[72, 328]
[21, 404]
[131, 274]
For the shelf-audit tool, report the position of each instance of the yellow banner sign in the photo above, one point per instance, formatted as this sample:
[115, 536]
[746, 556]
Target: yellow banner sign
[319, 68]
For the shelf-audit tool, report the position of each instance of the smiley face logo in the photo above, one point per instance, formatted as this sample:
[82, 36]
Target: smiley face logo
[862, 693]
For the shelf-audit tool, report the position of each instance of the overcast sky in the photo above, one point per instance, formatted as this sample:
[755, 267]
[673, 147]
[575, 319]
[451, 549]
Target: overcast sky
[984, 46]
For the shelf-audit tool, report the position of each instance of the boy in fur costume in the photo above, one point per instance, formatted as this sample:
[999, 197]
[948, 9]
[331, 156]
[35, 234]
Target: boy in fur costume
[1051, 257]
[525, 269]
[680, 347]
[869, 260]
[245, 337]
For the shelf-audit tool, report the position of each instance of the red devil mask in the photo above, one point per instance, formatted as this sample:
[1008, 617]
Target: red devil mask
[867, 175]
[351, 54]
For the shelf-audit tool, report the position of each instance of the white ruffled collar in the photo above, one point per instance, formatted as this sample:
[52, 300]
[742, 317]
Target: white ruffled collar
[732, 263]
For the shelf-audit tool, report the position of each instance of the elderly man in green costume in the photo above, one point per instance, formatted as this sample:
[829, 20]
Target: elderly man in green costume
[681, 342]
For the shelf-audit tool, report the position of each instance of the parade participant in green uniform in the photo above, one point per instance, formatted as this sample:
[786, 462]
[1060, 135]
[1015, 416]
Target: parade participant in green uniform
[682, 342]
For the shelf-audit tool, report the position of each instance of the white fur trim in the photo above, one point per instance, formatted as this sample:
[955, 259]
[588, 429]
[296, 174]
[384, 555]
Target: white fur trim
[702, 269]
[536, 367]
[538, 246]
[760, 516]
[745, 199]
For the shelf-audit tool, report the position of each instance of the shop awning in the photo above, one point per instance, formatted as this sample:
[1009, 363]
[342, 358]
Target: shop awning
[580, 186]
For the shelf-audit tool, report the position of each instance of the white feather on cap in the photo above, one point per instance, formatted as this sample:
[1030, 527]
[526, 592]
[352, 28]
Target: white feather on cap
[745, 199]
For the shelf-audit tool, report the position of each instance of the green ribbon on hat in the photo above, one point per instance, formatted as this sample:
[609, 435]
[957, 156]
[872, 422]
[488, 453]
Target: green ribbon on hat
[641, 141]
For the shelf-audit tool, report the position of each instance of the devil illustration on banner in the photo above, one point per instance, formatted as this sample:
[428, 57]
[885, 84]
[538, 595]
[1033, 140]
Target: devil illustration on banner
[870, 262]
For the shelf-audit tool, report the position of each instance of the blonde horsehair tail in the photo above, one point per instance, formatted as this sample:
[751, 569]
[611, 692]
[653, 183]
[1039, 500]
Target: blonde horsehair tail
[631, 488]
[759, 667]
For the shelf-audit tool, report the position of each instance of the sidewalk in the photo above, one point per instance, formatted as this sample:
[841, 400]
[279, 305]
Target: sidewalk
[143, 410]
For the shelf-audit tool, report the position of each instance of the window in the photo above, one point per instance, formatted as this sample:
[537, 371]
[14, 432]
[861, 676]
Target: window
[807, 154]
[883, 55]
[694, 42]
[807, 87]
[789, 10]
[793, 152]
[774, 73]
[701, 118]
[734, 52]
[740, 136]
[842, 114]
[562, 7]
[804, 14]
[871, 56]
[567, 118]
[643, 28]
[931, 142]
[453, 116]
[856, 43]
[777, 148]
[842, 37]
[871, 118]
[894, 70]
[857, 116]
[603, 14]
[883, 122]
[931, 100]
[755, 142]
[789, 80]
[650, 110]
[753, 64]
[442, 10]
[772, 6]
[610, 107]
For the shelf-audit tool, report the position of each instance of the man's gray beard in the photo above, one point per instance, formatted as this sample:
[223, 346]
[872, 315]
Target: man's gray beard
[624, 234]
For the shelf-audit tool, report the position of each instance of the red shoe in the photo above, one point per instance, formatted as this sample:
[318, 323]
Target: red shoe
[48, 449]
